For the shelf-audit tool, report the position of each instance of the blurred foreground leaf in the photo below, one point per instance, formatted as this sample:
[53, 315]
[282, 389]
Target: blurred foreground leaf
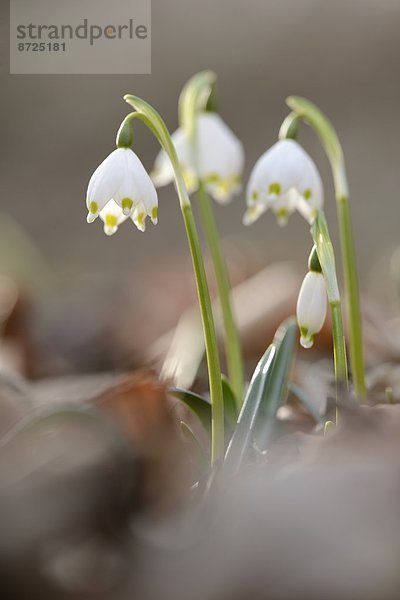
[200, 406]
[267, 391]
[230, 410]
[276, 388]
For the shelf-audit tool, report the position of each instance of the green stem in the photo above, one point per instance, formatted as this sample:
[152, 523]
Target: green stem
[151, 118]
[324, 129]
[214, 369]
[232, 342]
[350, 273]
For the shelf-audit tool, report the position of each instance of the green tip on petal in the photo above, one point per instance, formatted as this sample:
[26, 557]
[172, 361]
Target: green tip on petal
[126, 205]
[140, 221]
[154, 215]
[93, 212]
[307, 194]
[306, 340]
[282, 216]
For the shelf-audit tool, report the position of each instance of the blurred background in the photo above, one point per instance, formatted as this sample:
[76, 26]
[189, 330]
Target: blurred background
[55, 130]
[77, 307]
[343, 55]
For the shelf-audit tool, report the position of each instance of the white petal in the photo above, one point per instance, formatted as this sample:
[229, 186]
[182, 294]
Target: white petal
[277, 170]
[218, 158]
[311, 306]
[219, 151]
[306, 209]
[112, 216]
[139, 217]
[284, 205]
[105, 180]
[310, 184]
[215, 154]
[136, 185]
[254, 212]
[162, 173]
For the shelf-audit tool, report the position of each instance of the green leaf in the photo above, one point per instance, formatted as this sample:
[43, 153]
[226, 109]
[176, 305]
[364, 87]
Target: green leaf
[230, 410]
[326, 255]
[242, 435]
[266, 392]
[196, 449]
[276, 387]
[200, 406]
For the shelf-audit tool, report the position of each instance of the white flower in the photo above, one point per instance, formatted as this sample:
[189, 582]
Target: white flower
[284, 179]
[311, 307]
[121, 187]
[216, 158]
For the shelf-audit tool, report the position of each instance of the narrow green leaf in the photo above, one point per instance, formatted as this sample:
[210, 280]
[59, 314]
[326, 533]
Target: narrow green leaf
[326, 255]
[241, 437]
[230, 410]
[276, 387]
[200, 406]
[196, 449]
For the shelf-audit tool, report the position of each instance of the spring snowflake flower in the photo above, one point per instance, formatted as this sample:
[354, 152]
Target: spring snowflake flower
[216, 158]
[284, 179]
[311, 307]
[120, 188]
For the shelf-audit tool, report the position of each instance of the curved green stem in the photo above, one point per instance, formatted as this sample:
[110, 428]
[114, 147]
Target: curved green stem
[326, 257]
[232, 341]
[324, 129]
[153, 120]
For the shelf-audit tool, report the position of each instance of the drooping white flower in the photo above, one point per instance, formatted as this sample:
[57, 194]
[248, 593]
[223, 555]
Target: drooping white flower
[215, 156]
[311, 307]
[284, 179]
[121, 182]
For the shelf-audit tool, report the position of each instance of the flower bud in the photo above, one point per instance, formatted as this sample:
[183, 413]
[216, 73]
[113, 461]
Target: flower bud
[311, 307]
